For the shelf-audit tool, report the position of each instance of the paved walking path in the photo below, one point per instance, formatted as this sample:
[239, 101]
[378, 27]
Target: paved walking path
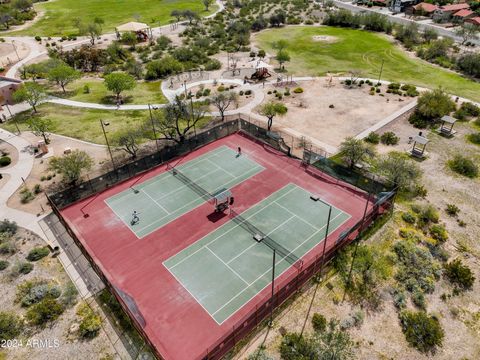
[20, 170]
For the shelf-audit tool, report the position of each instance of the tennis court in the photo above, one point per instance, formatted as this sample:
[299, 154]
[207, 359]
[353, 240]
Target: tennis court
[166, 197]
[228, 267]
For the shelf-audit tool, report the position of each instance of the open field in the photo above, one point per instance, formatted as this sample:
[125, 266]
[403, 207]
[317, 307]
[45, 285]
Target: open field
[143, 93]
[59, 14]
[343, 50]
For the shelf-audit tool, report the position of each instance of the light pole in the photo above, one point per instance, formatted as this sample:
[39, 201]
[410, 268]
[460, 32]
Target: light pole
[270, 324]
[153, 125]
[11, 117]
[106, 140]
[381, 70]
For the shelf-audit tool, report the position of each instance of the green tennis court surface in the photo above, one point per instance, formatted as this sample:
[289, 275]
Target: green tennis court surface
[227, 268]
[165, 197]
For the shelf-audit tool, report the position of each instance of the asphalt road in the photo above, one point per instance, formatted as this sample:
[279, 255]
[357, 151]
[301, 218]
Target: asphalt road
[401, 20]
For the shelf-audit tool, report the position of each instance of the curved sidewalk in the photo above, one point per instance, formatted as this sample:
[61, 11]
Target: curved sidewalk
[20, 170]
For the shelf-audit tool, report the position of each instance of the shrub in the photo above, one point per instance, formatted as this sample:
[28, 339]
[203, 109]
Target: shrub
[426, 214]
[221, 88]
[438, 232]
[8, 226]
[90, 323]
[422, 331]
[459, 274]
[34, 292]
[418, 298]
[26, 195]
[38, 253]
[5, 161]
[37, 189]
[452, 209]
[409, 218]
[389, 138]
[45, 311]
[474, 138]
[298, 90]
[7, 247]
[470, 109]
[248, 92]
[213, 64]
[463, 166]
[294, 346]
[372, 138]
[11, 326]
[22, 267]
[400, 300]
[38, 38]
[319, 322]
[3, 264]
[418, 120]
[69, 294]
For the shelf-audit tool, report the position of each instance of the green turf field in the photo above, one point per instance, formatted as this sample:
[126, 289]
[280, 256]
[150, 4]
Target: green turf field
[165, 197]
[362, 50]
[59, 14]
[227, 268]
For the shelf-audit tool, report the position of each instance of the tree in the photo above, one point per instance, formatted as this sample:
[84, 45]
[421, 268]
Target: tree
[280, 45]
[117, 82]
[190, 16]
[71, 165]
[432, 105]
[223, 100]
[30, 92]
[207, 4]
[177, 14]
[40, 127]
[271, 109]
[168, 65]
[128, 141]
[93, 30]
[354, 76]
[178, 120]
[282, 57]
[62, 75]
[470, 64]
[334, 343]
[261, 53]
[22, 5]
[355, 151]
[399, 170]
[422, 331]
[467, 32]
[459, 274]
[129, 38]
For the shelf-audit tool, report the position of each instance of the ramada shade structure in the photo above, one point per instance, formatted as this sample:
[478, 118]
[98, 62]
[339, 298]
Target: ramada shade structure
[132, 26]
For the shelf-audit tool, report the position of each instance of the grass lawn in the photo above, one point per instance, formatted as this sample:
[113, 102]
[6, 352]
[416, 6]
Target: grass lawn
[59, 14]
[84, 124]
[362, 50]
[143, 93]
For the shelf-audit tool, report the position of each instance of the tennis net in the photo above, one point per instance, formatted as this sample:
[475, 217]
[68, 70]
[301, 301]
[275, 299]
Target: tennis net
[190, 183]
[267, 240]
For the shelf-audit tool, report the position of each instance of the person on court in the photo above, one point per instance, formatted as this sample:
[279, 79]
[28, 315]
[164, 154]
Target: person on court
[135, 218]
[239, 151]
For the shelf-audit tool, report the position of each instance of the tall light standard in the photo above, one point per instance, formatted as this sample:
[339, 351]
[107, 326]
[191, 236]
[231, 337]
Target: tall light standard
[11, 116]
[153, 125]
[106, 140]
[15, 48]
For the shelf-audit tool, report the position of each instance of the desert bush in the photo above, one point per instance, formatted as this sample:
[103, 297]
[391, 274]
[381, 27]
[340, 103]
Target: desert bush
[463, 166]
[90, 323]
[3, 264]
[409, 218]
[426, 214]
[298, 90]
[38, 253]
[26, 195]
[319, 322]
[372, 138]
[421, 330]
[474, 138]
[32, 292]
[11, 326]
[45, 311]
[8, 247]
[452, 209]
[69, 294]
[5, 161]
[8, 226]
[460, 275]
[438, 232]
[400, 299]
[295, 347]
[389, 138]
[418, 299]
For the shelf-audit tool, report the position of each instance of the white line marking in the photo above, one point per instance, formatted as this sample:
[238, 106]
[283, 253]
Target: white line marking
[228, 266]
[220, 168]
[155, 201]
[258, 278]
[305, 221]
[226, 232]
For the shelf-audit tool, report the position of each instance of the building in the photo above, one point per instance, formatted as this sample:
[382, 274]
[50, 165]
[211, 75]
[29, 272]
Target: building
[462, 15]
[398, 6]
[474, 21]
[422, 9]
[7, 88]
[445, 13]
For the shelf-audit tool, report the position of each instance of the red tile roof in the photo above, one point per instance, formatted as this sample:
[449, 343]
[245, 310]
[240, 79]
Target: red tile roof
[475, 20]
[426, 7]
[463, 13]
[455, 7]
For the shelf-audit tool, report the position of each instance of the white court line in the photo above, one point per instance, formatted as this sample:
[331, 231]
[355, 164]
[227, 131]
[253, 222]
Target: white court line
[269, 270]
[155, 201]
[220, 168]
[226, 232]
[254, 172]
[228, 266]
[305, 221]
[268, 234]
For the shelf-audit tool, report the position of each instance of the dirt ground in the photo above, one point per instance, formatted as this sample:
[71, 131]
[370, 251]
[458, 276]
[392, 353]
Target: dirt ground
[354, 110]
[380, 336]
[241, 100]
[8, 150]
[51, 269]
[8, 55]
[40, 168]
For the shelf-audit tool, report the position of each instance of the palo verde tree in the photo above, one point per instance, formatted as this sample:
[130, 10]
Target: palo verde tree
[207, 4]
[223, 100]
[178, 119]
[30, 92]
[71, 165]
[117, 82]
[467, 32]
[62, 75]
[355, 150]
[40, 127]
[432, 105]
[399, 170]
[92, 29]
[128, 140]
[272, 109]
